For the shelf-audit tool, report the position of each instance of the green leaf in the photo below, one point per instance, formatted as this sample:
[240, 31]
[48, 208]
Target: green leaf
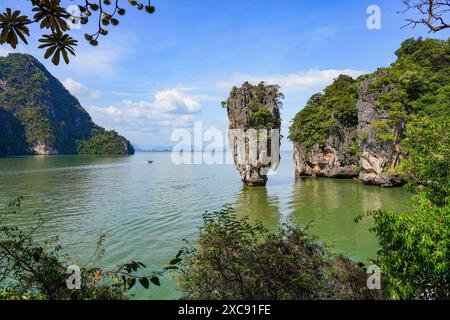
[144, 282]
[155, 280]
[175, 261]
[131, 283]
[49, 52]
[56, 57]
[64, 54]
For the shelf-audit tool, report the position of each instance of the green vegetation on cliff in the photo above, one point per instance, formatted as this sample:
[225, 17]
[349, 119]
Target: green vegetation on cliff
[334, 108]
[52, 120]
[254, 106]
[259, 114]
[12, 135]
[104, 142]
[417, 84]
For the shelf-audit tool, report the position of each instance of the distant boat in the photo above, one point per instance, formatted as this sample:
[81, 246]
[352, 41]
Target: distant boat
[150, 161]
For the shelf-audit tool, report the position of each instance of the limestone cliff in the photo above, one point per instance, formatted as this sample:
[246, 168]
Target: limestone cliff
[379, 139]
[39, 116]
[253, 111]
[355, 128]
[356, 151]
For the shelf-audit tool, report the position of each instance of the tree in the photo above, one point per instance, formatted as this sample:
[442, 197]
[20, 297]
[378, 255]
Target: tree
[427, 166]
[50, 15]
[432, 13]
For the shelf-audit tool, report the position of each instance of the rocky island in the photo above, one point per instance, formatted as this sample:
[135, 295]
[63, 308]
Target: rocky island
[355, 128]
[38, 116]
[254, 108]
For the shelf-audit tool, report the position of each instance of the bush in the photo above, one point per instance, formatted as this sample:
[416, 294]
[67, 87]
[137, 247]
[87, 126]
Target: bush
[415, 253]
[9, 294]
[234, 259]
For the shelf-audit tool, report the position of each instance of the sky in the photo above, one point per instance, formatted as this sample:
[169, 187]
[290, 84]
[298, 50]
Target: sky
[155, 73]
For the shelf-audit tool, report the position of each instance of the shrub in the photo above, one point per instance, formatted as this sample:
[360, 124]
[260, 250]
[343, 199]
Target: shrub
[234, 259]
[414, 254]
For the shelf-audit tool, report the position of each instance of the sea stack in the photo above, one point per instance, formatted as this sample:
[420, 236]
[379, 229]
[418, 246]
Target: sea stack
[254, 130]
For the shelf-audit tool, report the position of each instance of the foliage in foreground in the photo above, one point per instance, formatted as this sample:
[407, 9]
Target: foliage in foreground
[234, 259]
[414, 254]
[52, 16]
[31, 269]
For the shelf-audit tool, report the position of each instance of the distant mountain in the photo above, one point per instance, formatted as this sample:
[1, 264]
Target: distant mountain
[154, 149]
[39, 116]
[186, 148]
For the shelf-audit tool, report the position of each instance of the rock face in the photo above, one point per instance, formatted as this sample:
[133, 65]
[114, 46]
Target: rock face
[12, 135]
[37, 112]
[331, 161]
[378, 158]
[254, 116]
[356, 151]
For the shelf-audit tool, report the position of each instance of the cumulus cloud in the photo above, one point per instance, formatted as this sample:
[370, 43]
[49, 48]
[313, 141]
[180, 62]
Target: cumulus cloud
[4, 51]
[303, 81]
[171, 107]
[174, 100]
[80, 90]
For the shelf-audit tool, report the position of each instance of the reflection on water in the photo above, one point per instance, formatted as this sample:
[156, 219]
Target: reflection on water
[332, 205]
[255, 203]
[147, 210]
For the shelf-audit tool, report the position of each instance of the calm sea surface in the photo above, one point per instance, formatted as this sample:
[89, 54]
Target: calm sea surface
[146, 210]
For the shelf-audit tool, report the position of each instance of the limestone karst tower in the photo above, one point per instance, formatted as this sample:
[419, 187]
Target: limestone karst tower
[254, 130]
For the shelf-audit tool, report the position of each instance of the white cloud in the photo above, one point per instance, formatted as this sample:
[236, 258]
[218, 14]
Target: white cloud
[302, 81]
[4, 51]
[174, 100]
[80, 90]
[171, 107]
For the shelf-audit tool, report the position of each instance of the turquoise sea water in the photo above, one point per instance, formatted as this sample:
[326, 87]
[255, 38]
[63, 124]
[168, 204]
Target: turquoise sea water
[146, 210]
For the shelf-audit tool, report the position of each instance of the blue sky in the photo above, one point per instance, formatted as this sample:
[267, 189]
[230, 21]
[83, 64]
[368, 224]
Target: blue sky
[154, 73]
